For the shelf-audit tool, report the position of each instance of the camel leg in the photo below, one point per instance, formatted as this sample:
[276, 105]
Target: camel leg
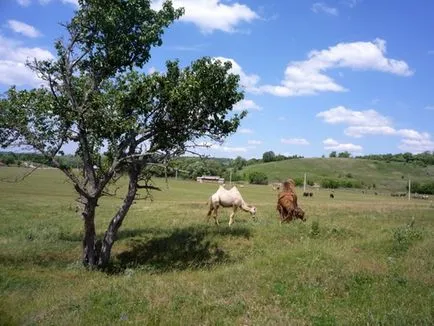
[231, 217]
[209, 213]
[215, 215]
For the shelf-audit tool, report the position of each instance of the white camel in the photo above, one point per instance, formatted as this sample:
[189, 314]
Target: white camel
[228, 198]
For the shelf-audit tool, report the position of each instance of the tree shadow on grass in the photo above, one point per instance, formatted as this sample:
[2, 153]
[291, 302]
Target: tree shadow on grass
[189, 248]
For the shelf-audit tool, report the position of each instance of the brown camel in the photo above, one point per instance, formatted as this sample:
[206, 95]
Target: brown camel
[287, 203]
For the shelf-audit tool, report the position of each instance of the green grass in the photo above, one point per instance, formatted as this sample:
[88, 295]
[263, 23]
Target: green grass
[387, 176]
[354, 262]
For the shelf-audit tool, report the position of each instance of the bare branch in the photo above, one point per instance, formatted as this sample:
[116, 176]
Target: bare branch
[149, 187]
[21, 178]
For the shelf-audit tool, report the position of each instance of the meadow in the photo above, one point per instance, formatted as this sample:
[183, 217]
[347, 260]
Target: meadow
[359, 259]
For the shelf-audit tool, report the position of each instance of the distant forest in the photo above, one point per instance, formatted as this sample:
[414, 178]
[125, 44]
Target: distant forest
[230, 169]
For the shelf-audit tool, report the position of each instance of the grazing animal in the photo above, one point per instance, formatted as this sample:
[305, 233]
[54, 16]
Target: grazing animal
[311, 194]
[332, 196]
[228, 198]
[287, 205]
[305, 194]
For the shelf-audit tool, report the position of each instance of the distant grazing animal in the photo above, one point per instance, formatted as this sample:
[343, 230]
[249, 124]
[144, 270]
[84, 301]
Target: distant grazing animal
[311, 194]
[305, 194]
[228, 198]
[332, 196]
[287, 205]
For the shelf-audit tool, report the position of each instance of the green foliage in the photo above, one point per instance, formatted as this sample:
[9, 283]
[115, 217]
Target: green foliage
[344, 154]
[268, 156]
[314, 229]
[404, 237]
[332, 154]
[422, 188]
[423, 159]
[256, 177]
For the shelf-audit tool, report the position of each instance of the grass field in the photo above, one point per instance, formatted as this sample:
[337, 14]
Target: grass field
[387, 176]
[356, 261]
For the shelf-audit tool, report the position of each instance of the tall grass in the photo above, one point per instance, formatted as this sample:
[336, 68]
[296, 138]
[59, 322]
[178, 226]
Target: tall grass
[357, 260]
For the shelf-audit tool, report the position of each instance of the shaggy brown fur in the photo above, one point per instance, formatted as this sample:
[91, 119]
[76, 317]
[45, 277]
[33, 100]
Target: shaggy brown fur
[287, 203]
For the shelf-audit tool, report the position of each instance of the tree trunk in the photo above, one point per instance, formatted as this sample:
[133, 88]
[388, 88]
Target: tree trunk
[89, 251]
[116, 222]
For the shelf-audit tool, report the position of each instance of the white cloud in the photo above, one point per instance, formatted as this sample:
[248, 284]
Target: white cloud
[245, 131]
[246, 105]
[73, 2]
[24, 3]
[319, 7]
[370, 122]
[294, 141]
[254, 142]
[351, 3]
[23, 28]
[332, 145]
[151, 70]
[281, 118]
[229, 149]
[249, 82]
[429, 107]
[211, 15]
[308, 78]
[340, 114]
[13, 57]
[431, 52]
[416, 145]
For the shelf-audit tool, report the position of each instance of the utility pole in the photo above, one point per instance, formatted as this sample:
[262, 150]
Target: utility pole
[176, 174]
[304, 184]
[409, 188]
[230, 176]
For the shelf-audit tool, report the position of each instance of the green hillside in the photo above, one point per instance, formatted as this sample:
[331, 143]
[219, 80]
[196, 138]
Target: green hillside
[391, 176]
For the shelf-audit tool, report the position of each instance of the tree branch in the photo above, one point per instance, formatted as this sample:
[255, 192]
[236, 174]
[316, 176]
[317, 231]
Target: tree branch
[21, 178]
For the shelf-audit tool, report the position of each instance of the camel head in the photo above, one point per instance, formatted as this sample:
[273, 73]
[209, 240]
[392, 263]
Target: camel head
[252, 210]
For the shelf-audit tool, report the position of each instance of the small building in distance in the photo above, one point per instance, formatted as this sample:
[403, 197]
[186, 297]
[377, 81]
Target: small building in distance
[210, 178]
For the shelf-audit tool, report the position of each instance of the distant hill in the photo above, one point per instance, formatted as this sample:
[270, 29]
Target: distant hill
[383, 175]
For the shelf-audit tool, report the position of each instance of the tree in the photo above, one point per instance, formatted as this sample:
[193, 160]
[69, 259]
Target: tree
[332, 154]
[96, 97]
[345, 154]
[268, 156]
[257, 177]
[239, 163]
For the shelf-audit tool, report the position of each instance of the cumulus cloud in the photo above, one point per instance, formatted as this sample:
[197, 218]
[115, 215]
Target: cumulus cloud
[254, 142]
[229, 149]
[332, 145]
[351, 3]
[72, 2]
[294, 141]
[211, 15]
[340, 114]
[246, 105]
[24, 3]
[23, 28]
[249, 82]
[308, 77]
[13, 57]
[321, 7]
[370, 122]
[416, 145]
[245, 131]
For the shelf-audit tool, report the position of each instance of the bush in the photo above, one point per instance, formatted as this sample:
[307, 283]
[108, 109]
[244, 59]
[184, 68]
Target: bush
[259, 178]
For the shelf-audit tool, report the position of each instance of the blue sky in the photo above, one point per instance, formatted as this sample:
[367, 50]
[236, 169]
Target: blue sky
[318, 76]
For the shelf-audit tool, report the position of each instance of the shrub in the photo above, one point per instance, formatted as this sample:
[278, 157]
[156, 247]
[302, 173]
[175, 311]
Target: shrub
[259, 178]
